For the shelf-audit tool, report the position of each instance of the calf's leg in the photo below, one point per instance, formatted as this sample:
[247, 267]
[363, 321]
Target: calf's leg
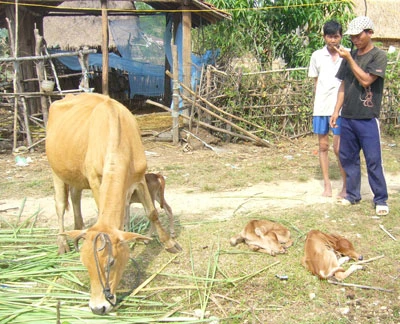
[143, 194]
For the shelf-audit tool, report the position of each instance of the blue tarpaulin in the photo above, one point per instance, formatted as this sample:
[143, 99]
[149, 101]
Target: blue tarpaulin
[150, 44]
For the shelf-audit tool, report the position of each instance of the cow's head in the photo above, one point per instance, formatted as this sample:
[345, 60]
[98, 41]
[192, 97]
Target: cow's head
[105, 254]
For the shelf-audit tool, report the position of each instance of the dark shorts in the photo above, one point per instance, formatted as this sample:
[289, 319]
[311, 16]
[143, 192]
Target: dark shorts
[321, 125]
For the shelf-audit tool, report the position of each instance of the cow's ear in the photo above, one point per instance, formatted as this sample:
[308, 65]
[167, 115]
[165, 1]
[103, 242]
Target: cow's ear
[129, 237]
[74, 234]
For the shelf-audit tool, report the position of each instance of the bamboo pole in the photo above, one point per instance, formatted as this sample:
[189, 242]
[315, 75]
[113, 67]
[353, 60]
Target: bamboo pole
[231, 115]
[13, 34]
[53, 68]
[45, 57]
[257, 139]
[40, 74]
[217, 129]
[175, 96]
[26, 122]
[104, 46]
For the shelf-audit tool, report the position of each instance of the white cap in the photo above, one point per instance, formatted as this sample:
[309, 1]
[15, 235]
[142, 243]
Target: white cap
[358, 25]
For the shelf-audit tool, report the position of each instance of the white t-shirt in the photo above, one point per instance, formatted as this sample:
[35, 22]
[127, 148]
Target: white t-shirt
[323, 68]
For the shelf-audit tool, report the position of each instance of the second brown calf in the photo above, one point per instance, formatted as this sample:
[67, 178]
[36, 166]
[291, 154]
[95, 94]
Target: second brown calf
[264, 236]
[322, 255]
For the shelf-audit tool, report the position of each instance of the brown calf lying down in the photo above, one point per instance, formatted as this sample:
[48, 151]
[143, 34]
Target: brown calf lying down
[156, 185]
[322, 255]
[264, 236]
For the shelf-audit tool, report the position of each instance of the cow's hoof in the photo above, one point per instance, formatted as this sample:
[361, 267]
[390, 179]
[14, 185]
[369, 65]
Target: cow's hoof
[176, 248]
[63, 249]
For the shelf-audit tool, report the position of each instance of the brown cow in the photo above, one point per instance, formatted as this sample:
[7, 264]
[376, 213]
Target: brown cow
[264, 236]
[93, 142]
[321, 252]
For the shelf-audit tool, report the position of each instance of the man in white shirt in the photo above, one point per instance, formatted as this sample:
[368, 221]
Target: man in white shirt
[324, 65]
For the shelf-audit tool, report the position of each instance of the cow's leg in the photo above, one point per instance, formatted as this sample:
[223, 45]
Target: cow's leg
[76, 196]
[61, 202]
[143, 193]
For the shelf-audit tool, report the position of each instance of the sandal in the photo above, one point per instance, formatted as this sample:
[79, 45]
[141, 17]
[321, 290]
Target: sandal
[381, 210]
[346, 202]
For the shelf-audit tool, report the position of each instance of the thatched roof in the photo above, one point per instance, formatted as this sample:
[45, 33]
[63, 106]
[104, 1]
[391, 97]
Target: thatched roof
[77, 23]
[385, 15]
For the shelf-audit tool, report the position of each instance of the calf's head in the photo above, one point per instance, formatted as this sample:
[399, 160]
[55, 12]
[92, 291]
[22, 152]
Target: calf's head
[269, 241]
[345, 247]
[105, 255]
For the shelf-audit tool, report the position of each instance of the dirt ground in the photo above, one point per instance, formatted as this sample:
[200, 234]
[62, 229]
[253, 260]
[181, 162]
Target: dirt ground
[207, 186]
[33, 183]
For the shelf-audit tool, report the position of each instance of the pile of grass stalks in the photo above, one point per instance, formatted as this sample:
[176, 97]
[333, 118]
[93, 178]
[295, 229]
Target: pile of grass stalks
[39, 286]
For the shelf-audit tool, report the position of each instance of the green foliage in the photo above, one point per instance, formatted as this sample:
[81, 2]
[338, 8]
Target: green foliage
[269, 29]
[391, 99]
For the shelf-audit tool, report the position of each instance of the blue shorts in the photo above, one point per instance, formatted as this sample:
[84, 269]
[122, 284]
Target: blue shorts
[321, 125]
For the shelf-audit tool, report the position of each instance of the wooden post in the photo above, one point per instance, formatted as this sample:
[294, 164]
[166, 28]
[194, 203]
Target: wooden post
[40, 73]
[16, 81]
[104, 46]
[186, 48]
[175, 96]
[84, 62]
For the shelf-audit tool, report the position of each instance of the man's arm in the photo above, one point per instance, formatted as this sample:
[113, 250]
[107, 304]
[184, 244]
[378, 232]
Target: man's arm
[365, 79]
[338, 106]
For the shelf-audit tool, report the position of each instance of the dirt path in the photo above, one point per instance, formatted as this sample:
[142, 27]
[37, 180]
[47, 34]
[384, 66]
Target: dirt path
[199, 205]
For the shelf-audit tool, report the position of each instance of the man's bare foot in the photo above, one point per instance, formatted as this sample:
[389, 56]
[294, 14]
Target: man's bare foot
[342, 194]
[327, 192]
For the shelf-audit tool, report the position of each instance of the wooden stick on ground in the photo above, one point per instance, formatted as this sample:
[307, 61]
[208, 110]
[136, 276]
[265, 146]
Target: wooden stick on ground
[358, 286]
[199, 139]
[390, 235]
[369, 260]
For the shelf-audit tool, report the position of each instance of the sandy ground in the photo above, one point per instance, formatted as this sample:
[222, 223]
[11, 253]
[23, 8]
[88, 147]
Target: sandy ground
[204, 205]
